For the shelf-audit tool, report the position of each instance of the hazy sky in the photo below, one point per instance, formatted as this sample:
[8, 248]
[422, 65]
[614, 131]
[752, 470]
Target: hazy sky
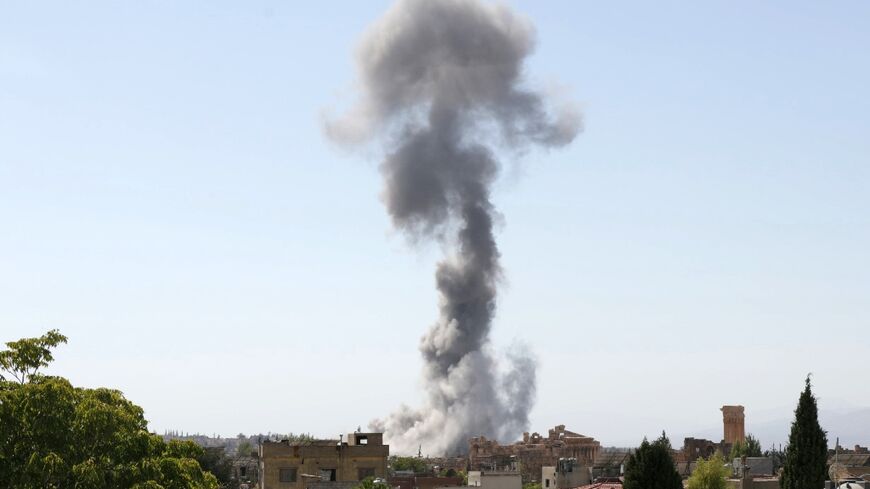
[168, 201]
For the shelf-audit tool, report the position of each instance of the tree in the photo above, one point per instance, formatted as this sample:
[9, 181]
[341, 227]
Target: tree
[710, 474]
[652, 467]
[244, 449]
[372, 483]
[749, 448]
[415, 464]
[56, 436]
[216, 461]
[807, 451]
[778, 457]
[753, 446]
[26, 356]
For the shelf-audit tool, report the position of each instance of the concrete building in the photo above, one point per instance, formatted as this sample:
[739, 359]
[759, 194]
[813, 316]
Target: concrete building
[565, 475]
[495, 480]
[423, 482]
[322, 464]
[757, 466]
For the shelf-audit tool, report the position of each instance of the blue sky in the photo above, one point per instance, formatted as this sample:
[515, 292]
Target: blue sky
[168, 201]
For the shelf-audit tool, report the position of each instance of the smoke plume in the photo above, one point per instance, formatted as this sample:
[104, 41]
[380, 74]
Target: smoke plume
[441, 83]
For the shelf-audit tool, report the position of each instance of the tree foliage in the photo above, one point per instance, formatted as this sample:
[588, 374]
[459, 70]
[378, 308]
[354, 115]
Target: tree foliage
[750, 448]
[415, 464]
[710, 474]
[652, 467]
[56, 436]
[23, 358]
[778, 457]
[216, 461]
[372, 483]
[807, 451]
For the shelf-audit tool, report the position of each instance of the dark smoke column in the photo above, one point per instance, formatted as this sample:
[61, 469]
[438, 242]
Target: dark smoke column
[441, 82]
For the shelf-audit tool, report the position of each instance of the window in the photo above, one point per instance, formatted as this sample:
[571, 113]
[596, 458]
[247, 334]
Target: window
[362, 440]
[243, 471]
[548, 483]
[327, 475]
[287, 475]
[365, 472]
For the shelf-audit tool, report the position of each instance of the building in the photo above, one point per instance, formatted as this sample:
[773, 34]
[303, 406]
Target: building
[746, 479]
[604, 483]
[610, 462]
[423, 482]
[565, 475]
[757, 466]
[495, 480]
[244, 470]
[534, 452]
[854, 465]
[322, 464]
[695, 448]
[733, 430]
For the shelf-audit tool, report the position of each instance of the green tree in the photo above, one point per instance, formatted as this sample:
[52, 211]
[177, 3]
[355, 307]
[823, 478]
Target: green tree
[749, 448]
[56, 436]
[807, 451]
[25, 357]
[710, 474]
[652, 467]
[415, 464]
[244, 450]
[372, 483]
[778, 457]
[216, 461]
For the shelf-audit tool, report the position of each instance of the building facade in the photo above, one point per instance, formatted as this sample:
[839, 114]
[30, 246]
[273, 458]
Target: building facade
[495, 480]
[322, 464]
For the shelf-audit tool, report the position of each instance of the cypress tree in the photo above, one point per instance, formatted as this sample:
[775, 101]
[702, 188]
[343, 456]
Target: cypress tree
[652, 467]
[807, 451]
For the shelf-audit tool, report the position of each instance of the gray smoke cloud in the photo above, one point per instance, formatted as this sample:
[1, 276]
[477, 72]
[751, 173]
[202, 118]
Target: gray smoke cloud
[441, 83]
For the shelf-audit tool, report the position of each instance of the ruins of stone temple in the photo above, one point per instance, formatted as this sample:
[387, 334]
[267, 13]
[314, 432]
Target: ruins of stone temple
[732, 422]
[532, 453]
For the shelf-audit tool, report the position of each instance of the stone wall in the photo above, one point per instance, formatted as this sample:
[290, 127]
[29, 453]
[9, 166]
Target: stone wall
[533, 453]
[733, 420]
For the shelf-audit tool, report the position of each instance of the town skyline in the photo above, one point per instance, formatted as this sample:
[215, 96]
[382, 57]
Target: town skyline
[171, 204]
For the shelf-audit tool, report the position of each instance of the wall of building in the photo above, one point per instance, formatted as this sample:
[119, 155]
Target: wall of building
[552, 478]
[495, 480]
[423, 482]
[322, 461]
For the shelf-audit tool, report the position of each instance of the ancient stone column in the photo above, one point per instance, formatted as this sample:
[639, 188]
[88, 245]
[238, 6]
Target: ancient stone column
[732, 420]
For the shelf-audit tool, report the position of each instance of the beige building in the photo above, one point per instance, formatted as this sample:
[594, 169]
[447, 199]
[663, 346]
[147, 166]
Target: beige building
[323, 464]
[495, 480]
[565, 475]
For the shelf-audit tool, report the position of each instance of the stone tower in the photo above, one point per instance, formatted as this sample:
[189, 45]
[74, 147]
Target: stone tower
[732, 419]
